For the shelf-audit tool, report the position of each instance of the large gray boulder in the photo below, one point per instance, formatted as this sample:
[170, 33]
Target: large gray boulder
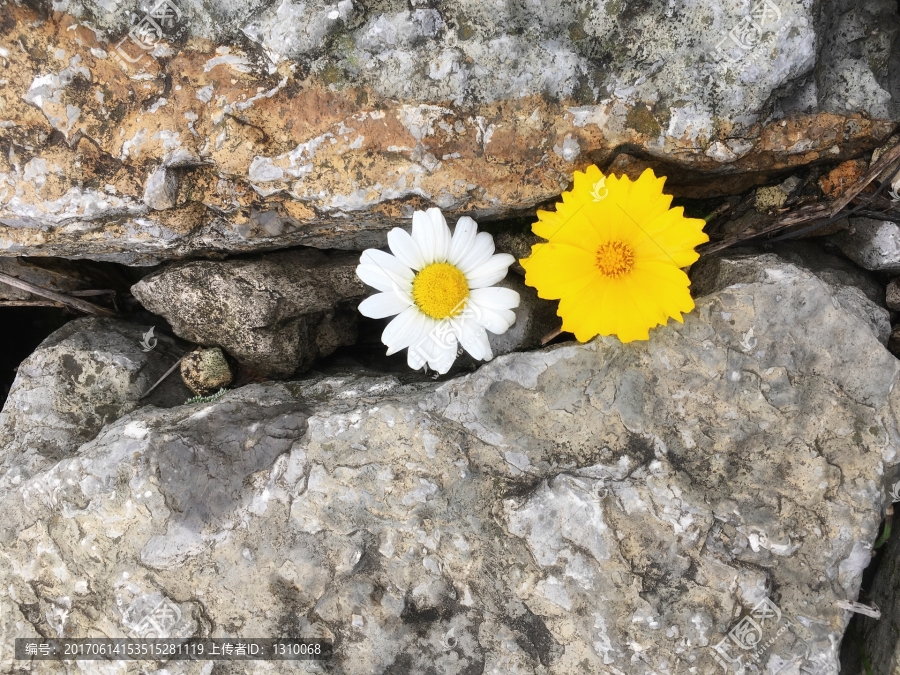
[242, 126]
[585, 508]
[276, 313]
[82, 377]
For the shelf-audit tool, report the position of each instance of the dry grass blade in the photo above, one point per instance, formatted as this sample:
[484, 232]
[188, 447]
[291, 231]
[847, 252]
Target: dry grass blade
[82, 305]
[827, 211]
[549, 336]
[32, 303]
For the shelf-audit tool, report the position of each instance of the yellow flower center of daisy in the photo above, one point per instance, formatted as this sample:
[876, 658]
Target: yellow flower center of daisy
[440, 290]
[614, 259]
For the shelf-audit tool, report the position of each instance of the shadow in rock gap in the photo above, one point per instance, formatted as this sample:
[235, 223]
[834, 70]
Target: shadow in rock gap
[872, 646]
[24, 328]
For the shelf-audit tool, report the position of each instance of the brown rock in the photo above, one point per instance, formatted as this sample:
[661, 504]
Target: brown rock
[892, 294]
[205, 371]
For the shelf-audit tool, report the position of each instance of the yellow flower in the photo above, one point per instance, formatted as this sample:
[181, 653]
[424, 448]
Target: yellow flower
[614, 256]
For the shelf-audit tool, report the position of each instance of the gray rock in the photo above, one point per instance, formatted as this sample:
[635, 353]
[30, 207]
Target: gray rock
[275, 313]
[517, 244]
[857, 293]
[205, 371]
[585, 508]
[345, 116]
[161, 189]
[85, 375]
[535, 318]
[872, 244]
[834, 270]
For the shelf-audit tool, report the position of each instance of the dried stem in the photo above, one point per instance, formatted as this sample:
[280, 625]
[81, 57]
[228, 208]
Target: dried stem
[830, 211]
[549, 336]
[82, 305]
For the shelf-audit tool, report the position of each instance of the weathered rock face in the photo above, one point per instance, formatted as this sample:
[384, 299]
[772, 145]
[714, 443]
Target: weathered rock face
[85, 375]
[854, 290]
[205, 371]
[872, 244]
[245, 126]
[587, 508]
[275, 313]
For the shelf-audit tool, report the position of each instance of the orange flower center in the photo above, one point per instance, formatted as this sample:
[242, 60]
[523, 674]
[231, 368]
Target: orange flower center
[614, 259]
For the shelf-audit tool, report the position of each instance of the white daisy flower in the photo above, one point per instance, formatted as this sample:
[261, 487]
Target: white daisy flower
[439, 286]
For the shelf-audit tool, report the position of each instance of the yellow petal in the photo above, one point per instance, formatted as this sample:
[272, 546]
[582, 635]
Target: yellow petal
[668, 284]
[583, 313]
[670, 238]
[556, 270]
[563, 227]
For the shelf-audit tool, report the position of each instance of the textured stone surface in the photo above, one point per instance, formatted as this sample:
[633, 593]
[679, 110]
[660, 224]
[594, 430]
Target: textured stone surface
[585, 508]
[534, 319]
[274, 313]
[85, 375]
[205, 371]
[257, 125]
[858, 294]
[872, 244]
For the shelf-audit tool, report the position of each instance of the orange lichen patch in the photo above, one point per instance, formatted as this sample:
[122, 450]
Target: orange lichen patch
[296, 210]
[836, 181]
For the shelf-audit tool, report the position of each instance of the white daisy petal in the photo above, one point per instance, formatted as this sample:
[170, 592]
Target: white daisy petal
[430, 346]
[417, 353]
[430, 341]
[445, 355]
[440, 233]
[392, 268]
[382, 305]
[463, 239]
[495, 297]
[491, 272]
[421, 234]
[375, 277]
[473, 339]
[415, 359]
[401, 331]
[406, 250]
[481, 251]
[497, 321]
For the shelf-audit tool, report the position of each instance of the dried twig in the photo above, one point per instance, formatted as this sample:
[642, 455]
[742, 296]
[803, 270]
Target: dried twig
[86, 294]
[32, 303]
[549, 336]
[160, 380]
[829, 212]
[82, 305]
